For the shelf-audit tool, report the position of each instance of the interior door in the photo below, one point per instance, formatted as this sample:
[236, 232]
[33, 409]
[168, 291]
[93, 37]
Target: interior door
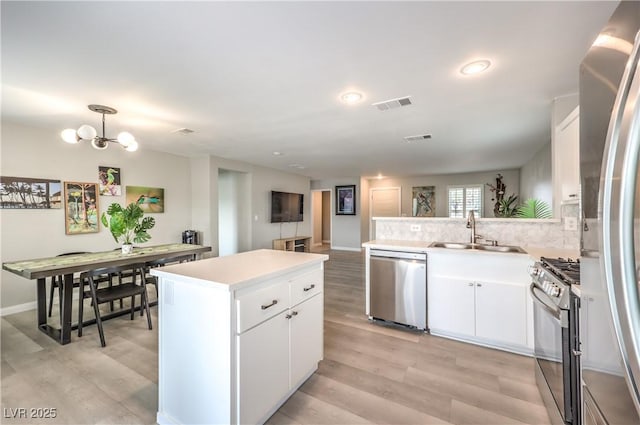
[385, 202]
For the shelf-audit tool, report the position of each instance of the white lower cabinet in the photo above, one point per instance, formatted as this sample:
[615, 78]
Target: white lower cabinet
[501, 312]
[481, 298]
[276, 356]
[305, 338]
[263, 379]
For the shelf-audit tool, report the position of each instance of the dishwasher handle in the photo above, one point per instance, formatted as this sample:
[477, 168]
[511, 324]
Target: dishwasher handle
[419, 256]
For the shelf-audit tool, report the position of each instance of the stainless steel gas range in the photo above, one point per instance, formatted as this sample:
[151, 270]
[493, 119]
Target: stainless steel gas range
[556, 337]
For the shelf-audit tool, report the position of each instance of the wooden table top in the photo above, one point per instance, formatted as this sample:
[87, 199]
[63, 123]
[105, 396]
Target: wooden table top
[52, 266]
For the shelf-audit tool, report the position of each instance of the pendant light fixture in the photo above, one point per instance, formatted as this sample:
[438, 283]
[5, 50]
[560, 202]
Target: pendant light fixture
[86, 132]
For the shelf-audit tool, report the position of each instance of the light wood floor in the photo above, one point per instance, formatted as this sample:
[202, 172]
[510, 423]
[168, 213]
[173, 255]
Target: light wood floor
[370, 373]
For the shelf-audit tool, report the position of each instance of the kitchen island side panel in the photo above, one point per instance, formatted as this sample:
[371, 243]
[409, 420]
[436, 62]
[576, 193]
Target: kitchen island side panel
[194, 347]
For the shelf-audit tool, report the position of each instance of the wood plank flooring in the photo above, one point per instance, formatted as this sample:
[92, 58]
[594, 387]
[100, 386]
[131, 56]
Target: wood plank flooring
[371, 373]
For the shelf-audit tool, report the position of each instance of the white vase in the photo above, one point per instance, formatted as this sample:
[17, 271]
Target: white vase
[127, 248]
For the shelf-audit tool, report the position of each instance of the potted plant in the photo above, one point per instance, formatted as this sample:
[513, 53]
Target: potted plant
[127, 225]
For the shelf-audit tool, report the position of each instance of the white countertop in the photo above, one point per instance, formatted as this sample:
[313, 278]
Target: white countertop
[423, 246]
[244, 268]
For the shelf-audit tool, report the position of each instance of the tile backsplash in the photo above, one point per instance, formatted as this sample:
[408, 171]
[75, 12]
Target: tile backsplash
[521, 232]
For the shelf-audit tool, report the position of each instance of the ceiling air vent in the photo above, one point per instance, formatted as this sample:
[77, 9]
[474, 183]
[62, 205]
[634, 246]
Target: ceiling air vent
[393, 103]
[417, 138]
[183, 131]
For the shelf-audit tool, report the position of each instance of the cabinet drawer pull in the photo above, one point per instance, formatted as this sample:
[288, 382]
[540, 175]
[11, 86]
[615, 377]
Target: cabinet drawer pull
[288, 316]
[294, 313]
[308, 288]
[479, 284]
[264, 307]
[470, 284]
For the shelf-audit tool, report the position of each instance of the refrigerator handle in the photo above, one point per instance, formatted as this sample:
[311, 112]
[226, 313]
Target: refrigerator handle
[618, 188]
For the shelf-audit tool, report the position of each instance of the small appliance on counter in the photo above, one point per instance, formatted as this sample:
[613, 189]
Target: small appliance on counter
[190, 237]
[557, 337]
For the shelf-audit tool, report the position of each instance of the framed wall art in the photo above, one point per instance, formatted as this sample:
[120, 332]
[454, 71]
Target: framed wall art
[150, 199]
[81, 208]
[109, 178]
[423, 201]
[346, 200]
[29, 193]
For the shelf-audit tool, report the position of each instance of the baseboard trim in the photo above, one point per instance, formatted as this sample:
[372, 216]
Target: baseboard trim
[327, 241]
[346, 248]
[5, 311]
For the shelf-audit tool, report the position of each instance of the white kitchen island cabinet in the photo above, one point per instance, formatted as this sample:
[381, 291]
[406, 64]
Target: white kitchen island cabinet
[237, 335]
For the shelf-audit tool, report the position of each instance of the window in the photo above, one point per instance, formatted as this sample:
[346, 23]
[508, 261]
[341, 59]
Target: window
[463, 199]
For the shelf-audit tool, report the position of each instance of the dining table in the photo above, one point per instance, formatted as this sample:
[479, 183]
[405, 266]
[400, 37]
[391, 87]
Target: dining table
[66, 266]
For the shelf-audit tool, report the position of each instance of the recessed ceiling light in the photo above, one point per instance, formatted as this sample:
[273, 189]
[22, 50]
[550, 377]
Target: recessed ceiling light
[475, 67]
[379, 176]
[276, 153]
[351, 97]
[298, 166]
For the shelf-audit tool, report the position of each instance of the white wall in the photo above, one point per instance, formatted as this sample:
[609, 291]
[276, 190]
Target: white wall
[31, 152]
[535, 177]
[234, 212]
[511, 180]
[345, 229]
[261, 182]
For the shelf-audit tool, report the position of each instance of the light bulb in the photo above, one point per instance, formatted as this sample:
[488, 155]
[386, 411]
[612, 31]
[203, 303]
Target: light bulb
[70, 136]
[351, 97]
[100, 144]
[132, 147]
[87, 132]
[125, 138]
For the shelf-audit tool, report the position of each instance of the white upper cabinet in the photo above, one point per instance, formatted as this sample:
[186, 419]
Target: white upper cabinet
[566, 159]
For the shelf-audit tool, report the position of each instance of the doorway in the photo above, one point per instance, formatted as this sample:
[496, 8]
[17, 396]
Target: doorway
[234, 212]
[321, 219]
[385, 202]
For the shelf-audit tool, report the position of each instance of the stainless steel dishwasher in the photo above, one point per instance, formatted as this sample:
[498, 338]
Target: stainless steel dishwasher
[398, 287]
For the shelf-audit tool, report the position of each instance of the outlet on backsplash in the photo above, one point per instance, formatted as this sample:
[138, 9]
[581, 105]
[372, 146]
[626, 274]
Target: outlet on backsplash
[415, 227]
[571, 223]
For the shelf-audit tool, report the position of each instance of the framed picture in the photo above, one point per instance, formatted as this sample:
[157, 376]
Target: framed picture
[346, 200]
[81, 208]
[150, 199]
[109, 178]
[29, 193]
[423, 201]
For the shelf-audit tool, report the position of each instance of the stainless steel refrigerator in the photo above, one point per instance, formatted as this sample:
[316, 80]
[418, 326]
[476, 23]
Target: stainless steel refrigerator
[610, 262]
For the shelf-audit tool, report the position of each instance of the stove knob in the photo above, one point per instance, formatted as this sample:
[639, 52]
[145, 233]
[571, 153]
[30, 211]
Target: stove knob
[555, 291]
[534, 271]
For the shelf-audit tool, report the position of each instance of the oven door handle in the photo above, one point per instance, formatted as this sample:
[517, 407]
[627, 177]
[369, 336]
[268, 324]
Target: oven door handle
[553, 310]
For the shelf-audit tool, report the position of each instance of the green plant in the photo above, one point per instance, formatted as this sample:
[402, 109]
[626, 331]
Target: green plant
[507, 207]
[534, 208]
[128, 225]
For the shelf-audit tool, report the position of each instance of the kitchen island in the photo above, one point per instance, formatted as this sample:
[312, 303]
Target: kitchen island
[237, 335]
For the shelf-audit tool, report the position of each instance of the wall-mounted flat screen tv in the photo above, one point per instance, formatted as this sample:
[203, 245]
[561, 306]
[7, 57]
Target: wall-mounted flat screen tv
[286, 207]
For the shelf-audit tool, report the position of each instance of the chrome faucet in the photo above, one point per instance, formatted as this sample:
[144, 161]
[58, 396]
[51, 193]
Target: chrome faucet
[471, 224]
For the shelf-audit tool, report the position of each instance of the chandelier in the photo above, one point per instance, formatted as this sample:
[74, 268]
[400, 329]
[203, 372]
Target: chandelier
[86, 132]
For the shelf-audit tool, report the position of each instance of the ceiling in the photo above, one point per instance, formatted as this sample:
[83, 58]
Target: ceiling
[254, 78]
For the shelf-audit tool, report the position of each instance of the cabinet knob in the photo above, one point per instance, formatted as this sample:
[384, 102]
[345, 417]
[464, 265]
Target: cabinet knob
[294, 313]
[308, 288]
[479, 284]
[264, 307]
[288, 316]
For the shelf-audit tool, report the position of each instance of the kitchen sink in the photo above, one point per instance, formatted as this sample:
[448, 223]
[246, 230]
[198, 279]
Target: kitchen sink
[479, 247]
[500, 248]
[452, 245]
